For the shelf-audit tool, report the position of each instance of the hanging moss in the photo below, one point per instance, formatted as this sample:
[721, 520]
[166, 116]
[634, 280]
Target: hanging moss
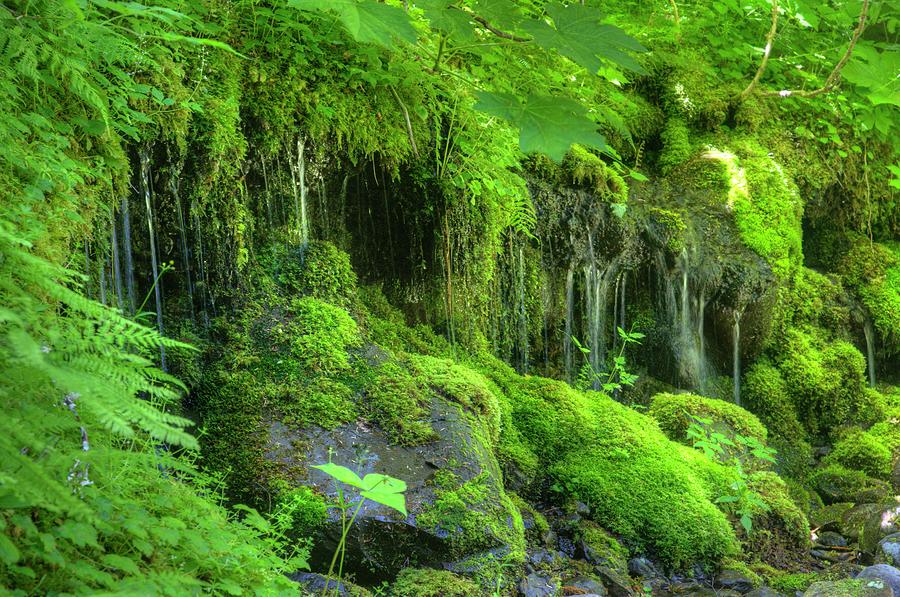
[586, 169]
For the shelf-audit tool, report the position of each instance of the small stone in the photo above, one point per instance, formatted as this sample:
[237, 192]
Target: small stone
[583, 583]
[764, 591]
[642, 567]
[889, 550]
[582, 509]
[831, 539]
[537, 585]
[830, 556]
[734, 580]
[888, 574]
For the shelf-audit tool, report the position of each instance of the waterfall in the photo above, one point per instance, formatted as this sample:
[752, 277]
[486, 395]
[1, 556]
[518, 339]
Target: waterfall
[688, 344]
[116, 266]
[129, 256]
[596, 288]
[87, 268]
[736, 373]
[298, 176]
[522, 310]
[622, 305]
[570, 315]
[101, 270]
[869, 332]
[145, 188]
[201, 262]
[174, 185]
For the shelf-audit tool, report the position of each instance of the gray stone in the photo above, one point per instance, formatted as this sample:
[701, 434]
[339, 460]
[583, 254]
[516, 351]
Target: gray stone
[642, 567]
[584, 583]
[883, 572]
[315, 584]
[764, 591]
[381, 541]
[889, 550]
[734, 580]
[831, 539]
[537, 585]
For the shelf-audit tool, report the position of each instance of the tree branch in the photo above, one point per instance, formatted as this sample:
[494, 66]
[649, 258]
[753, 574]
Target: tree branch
[484, 23]
[770, 38]
[833, 78]
[409, 129]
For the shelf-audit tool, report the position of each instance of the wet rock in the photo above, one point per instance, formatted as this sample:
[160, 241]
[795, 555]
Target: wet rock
[830, 556]
[381, 541]
[829, 518]
[889, 550]
[895, 476]
[582, 509]
[316, 584]
[872, 523]
[849, 588]
[831, 539]
[537, 585]
[584, 585]
[643, 568]
[887, 574]
[734, 580]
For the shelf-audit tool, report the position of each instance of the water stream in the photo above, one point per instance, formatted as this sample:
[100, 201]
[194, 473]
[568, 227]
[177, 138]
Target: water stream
[570, 316]
[116, 265]
[174, 184]
[736, 355]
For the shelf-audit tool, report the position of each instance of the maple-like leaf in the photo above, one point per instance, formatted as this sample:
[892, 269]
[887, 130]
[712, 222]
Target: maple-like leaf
[366, 21]
[546, 123]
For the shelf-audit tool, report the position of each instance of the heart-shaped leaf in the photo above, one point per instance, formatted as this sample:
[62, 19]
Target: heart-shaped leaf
[341, 473]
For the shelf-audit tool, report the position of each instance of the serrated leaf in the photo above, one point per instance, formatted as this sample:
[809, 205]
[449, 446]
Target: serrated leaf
[366, 21]
[546, 123]
[122, 563]
[341, 473]
[499, 13]
[449, 20]
[578, 33]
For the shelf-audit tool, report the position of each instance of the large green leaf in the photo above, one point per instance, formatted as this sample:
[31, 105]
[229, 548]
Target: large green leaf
[546, 123]
[366, 21]
[385, 490]
[447, 19]
[341, 473]
[579, 34]
[504, 14]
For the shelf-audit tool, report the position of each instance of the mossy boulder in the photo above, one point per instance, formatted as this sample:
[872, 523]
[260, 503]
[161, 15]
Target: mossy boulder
[862, 451]
[849, 588]
[426, 582]
[320, 270]
[835, 483]
[675, 412]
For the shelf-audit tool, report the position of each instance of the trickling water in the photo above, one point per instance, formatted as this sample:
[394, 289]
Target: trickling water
[174, 185]
[622, 304]
[201, 262]
[688, 344]
[869, 332]
[101, 270]
[736, 372]
[298, 174]
[129, 257]
[570, 315]
[521, 309]
[145, 188]
[87, 268]
[116, 266]
[597, 283]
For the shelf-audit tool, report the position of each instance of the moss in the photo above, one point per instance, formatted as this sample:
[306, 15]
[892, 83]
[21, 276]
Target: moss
[781, 532]
[318, 335]
[673, 412]
[830, 514]
[744, 570]
[324, 402]
[602, 548]
[477, 517]
[835, 483]
[586, 169]
[766, 394]
[400, 405]
[464, 386]
[846, 587]
[305, 510]
[425, 582]
[534, 523]
[672, 228]
[322, 271]
[862, 451]
[676, 145]
[794, 582]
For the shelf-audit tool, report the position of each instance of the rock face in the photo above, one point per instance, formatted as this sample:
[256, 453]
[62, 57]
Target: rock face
[889, 575]
[455, 499]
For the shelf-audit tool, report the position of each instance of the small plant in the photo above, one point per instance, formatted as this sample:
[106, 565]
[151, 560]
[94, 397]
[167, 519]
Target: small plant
[743, 454]
[618, 375]
[382, 489]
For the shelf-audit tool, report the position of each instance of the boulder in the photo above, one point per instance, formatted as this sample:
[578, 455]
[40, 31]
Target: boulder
[849, 588]
[889, 575]
[764, 591]
[733, 580]
[315, 584]
[584, 586]
[537, 585]
[455, 499]
[831, 539]
[889, 550]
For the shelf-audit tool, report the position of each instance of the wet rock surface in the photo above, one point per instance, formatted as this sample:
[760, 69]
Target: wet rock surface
[889, 550]
[889, 575]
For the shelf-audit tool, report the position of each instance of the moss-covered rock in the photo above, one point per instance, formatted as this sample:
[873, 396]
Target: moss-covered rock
[835, 483]
[780, 533]
[849, 588]
[427, 582]
[319, 270]
[674, 414]
[862, 451]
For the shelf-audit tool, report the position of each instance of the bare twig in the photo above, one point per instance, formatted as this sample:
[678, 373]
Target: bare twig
[499, 33]
[833, 78]
[770, 38]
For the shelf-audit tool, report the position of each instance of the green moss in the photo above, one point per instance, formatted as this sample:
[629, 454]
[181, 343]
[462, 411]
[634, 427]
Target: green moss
[781, 531]
[318, 335]
[836, 483]
[862, 451]
[477, 517]
[400, 405]
[534, 523]
[305, 510]
[587, 169]
[600, 546]
[322, 271]
[425, 582]
[794, 582]
[672, 228]
[673, 412]
[846, 587]
[676, 144]
[323, 402]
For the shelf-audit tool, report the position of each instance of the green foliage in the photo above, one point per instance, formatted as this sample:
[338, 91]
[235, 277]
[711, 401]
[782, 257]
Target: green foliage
[675, 413]
[319, 335]
[426, 582]
[588, 170]
[618, 376]
[862, 451]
